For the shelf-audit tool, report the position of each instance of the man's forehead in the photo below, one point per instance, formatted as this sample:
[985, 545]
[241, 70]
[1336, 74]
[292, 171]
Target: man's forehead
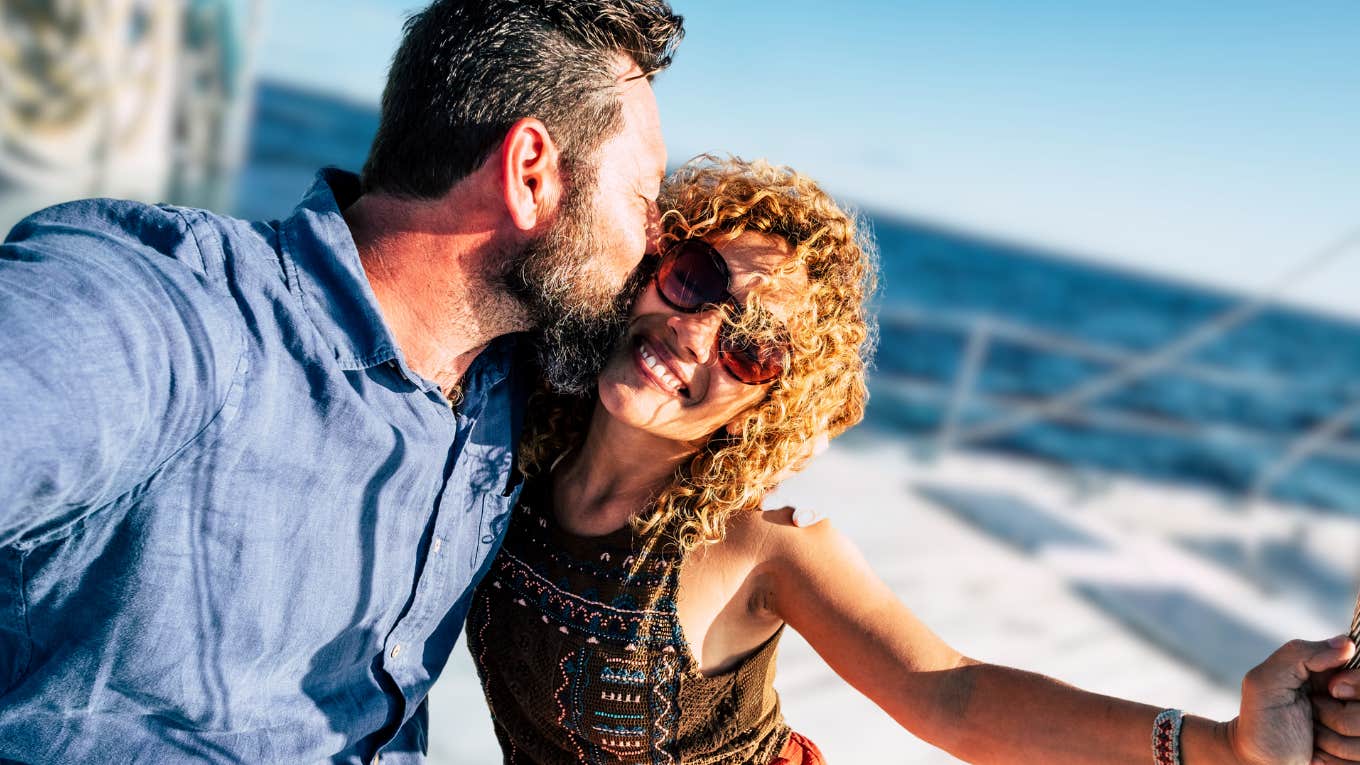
[627, 71]
[639, 105]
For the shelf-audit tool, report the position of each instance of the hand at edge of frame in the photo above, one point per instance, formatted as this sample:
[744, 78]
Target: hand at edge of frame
[1276, 725]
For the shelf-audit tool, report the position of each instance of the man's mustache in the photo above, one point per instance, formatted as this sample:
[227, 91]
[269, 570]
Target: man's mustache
[573, 351]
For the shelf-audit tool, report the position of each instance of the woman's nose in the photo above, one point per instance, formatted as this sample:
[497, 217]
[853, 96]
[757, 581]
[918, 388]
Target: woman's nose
[697, 332]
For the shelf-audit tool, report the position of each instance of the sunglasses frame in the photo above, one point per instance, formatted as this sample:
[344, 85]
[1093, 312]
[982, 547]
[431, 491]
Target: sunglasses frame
[726, 347]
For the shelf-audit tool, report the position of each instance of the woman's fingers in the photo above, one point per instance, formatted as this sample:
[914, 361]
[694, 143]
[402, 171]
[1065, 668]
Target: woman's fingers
[1340, 717]
[1328, 741]
[1323, 758]
[802, 517]
[1345, 684]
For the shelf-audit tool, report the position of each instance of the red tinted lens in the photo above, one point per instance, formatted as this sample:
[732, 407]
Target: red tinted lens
[750, 362]
[691, 276]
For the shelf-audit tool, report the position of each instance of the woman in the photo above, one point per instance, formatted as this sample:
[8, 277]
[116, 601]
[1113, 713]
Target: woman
[633, 612]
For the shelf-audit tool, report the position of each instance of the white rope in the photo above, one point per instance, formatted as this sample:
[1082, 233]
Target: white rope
[1305, 446]
[926, 389]
[1354, 663]
[911, 319]
[1165, 356]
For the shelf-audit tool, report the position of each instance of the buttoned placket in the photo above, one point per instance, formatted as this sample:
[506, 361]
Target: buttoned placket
[429, 585]
[435, 573]
[434, 568]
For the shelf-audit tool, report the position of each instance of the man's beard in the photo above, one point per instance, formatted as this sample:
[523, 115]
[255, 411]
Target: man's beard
[581, 314]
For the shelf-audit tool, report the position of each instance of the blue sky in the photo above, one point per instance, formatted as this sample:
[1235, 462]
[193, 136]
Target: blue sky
[1214, 141]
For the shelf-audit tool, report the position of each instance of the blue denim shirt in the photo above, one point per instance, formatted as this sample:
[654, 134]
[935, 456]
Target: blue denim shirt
[235, 526]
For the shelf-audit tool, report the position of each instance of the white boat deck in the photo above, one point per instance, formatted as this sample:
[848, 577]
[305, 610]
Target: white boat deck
[1019, 563]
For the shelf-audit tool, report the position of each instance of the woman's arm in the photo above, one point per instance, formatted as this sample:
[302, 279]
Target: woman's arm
[984, 713]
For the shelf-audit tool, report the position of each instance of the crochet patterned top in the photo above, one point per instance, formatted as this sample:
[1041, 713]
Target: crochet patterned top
[583, 663]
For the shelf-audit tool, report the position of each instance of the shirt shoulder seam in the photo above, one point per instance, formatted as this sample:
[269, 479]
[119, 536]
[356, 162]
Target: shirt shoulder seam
[214, 272]
[67, 529]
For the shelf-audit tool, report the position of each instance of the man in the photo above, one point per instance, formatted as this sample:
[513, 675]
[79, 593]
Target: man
[250, 472]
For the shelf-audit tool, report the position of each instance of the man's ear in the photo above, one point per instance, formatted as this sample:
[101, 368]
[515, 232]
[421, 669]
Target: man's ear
[531, 174]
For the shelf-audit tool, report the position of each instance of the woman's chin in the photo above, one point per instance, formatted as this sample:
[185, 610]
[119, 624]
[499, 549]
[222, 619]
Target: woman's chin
[635, 407]
[625, 402]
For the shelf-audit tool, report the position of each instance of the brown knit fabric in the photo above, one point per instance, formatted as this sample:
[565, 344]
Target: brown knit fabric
[585, 662]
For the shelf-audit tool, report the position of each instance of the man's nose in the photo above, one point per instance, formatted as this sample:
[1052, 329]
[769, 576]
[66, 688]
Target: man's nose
[697, 332]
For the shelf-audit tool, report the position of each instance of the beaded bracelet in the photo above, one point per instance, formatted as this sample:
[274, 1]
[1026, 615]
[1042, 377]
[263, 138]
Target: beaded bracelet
[1166, 738]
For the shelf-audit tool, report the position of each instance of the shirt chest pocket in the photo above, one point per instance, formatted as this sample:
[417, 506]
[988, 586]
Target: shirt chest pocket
[495, 516]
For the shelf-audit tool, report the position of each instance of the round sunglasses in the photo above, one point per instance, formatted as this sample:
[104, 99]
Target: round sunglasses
[693, 277]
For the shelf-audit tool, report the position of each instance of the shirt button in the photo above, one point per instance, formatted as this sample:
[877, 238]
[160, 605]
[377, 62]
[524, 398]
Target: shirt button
[396, 650]
[377, 759]
[438, 543]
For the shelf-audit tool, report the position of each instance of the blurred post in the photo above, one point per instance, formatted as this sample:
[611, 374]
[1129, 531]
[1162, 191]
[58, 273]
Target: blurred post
[215, 100]
[141, 99]
[974, 357]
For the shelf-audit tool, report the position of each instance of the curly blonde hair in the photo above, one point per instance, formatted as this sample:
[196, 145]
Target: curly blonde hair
[831, 339]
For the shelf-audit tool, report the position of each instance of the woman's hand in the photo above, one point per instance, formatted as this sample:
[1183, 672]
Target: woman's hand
[802, 516]
[1336, 709]
[1286, 719]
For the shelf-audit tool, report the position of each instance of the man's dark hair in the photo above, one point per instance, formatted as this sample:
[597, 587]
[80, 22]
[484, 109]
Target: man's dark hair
[467, 70]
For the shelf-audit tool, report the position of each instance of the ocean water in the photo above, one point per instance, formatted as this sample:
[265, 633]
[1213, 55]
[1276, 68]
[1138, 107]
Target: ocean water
[1051, 324]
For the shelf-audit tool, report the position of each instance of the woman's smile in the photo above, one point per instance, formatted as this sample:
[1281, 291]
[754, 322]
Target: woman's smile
[656, 365]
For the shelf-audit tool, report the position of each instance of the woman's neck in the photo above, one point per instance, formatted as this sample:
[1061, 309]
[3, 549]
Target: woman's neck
[617, 471]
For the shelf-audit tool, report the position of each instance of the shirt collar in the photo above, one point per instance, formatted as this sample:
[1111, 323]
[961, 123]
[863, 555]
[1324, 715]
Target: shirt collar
[492, 365]
[324, 269]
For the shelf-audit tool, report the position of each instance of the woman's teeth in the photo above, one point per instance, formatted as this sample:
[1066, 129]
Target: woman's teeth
[659, 369]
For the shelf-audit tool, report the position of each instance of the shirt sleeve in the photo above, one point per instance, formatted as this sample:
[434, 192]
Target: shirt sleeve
[115, 352]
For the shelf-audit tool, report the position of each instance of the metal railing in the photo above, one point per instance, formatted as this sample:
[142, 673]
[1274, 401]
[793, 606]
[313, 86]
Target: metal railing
[1130, 367]
[982, 331]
